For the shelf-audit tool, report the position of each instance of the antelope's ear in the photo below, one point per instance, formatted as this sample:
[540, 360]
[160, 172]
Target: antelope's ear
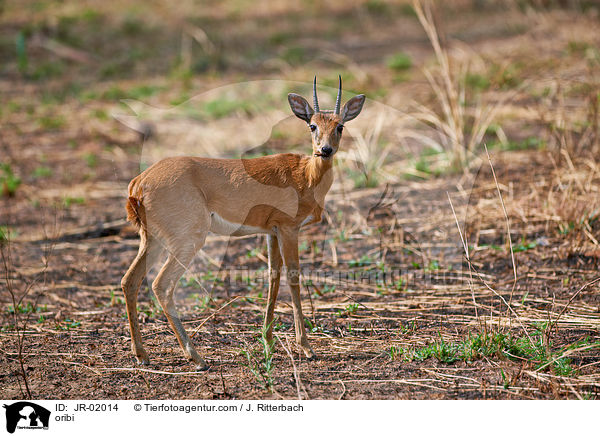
[353, 107]
[300, 107]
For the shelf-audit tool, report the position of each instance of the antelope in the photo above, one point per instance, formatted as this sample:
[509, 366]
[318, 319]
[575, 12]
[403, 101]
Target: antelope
[178, 200]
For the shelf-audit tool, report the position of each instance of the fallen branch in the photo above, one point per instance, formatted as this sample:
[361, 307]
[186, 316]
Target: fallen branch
[61, 50]
[94, 231]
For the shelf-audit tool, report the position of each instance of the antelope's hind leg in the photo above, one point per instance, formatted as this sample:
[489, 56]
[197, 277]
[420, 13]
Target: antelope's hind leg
[164, 288]
[148, 253]
[183, 243]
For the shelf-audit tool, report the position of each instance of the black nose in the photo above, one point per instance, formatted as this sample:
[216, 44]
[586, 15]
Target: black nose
[326, 151]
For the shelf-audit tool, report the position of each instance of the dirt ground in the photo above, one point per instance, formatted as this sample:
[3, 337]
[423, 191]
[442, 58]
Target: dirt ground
[394, 308]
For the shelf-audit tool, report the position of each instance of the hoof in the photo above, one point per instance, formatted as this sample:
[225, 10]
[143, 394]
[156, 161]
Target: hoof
[143, 360]
[140, 355]
[202, 366]
[310, 354]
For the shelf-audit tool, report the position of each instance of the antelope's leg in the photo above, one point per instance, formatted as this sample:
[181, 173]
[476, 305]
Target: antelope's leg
[274, 276]
[288, 243]
[164, 288]
[147, 255]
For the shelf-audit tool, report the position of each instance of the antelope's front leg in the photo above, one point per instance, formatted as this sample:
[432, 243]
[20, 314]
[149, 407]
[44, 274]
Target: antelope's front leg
[274, 276]
[288, 243]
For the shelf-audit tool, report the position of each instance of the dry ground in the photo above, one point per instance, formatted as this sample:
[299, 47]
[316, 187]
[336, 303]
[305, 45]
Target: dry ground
[410, 317]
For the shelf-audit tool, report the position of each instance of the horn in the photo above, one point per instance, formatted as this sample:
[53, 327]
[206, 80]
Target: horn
[315, 99]
[338, 100]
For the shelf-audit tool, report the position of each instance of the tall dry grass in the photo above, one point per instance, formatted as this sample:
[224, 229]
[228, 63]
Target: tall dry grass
[462, 123]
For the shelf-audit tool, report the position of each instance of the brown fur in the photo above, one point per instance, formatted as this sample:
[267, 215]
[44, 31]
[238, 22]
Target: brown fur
[178, 200]
[287, 169]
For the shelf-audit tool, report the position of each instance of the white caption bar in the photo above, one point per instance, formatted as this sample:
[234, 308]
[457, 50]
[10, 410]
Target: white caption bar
[79, 417]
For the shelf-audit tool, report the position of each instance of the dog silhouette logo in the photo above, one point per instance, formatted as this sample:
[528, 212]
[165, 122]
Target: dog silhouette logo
[26, 415]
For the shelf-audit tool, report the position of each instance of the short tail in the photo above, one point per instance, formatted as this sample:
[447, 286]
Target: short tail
[136, 212]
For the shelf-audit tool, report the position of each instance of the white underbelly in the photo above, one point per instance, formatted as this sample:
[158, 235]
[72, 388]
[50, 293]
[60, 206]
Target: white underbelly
[221, 226]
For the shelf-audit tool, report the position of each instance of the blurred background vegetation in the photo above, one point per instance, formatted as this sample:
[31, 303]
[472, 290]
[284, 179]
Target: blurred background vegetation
[454, 75]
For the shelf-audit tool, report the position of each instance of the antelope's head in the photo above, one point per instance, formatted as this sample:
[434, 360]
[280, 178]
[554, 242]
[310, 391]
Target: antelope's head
[326, 126]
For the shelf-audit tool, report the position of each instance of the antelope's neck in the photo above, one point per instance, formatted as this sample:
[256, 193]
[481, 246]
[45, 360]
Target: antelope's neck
[316, 168]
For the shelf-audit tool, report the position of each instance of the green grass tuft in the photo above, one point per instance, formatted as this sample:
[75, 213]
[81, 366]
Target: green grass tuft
[399, 62]
[260, 362]
[475, 347]
[9, 182]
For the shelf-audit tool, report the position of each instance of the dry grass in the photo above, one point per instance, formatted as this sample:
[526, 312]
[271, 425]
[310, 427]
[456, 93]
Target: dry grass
[462, 124]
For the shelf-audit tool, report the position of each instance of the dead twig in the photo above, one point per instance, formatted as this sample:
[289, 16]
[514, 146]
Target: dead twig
[471, 266]
[21, 328]
[152, 371]
[344, 389]
[466, 249]
[512, 254]
[585, 286]
[295, 369]
[213, 314]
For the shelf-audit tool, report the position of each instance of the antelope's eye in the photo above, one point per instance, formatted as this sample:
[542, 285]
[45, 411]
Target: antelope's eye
[313, 127]
[340, 128]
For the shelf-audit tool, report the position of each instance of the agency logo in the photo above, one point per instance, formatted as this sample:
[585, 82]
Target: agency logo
[26, 415]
